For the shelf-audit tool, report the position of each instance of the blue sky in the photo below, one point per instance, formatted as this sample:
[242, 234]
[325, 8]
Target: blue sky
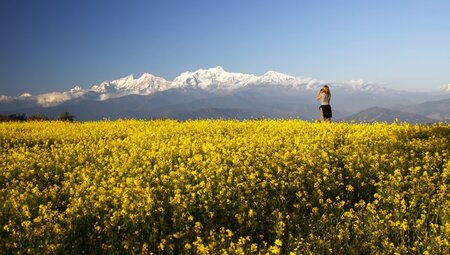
[55, 45]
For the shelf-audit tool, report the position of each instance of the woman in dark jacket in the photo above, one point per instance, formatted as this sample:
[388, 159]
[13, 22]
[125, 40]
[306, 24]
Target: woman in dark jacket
[324, 96]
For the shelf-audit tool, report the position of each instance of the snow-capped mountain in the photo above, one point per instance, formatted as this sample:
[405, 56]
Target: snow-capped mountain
[212, 79]
[146, 84]
[273, 77]
[216, 93]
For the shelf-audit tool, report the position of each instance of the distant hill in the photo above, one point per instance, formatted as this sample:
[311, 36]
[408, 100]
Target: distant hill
[439, 109]
[378, 114]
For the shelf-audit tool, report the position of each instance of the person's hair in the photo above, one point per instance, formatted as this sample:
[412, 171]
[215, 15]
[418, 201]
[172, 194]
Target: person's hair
[328, 89]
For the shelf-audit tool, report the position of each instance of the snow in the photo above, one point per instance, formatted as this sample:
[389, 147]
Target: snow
[213, 79]
[25, 95]
[128, 85]
[103, 87]
[76, 90]
[125, 82]
[277, 78]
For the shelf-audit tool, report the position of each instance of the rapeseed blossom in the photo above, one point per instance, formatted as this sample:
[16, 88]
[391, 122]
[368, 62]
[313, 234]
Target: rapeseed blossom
[224, 187]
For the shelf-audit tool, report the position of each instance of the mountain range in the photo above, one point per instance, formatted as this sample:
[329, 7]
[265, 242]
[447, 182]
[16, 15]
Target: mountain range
[216, 93]
[374, 114]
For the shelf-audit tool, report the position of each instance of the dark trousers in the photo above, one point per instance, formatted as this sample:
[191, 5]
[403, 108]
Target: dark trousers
[325, 112]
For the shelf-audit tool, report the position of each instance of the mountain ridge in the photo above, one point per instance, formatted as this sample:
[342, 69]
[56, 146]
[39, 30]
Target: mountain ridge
[380, 114]
[213, 79]
[216, 93]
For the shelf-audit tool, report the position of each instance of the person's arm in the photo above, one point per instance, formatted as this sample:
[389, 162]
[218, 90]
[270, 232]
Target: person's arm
[319, 95]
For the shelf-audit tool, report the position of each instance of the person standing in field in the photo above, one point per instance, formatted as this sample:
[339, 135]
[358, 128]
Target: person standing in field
[324, 96]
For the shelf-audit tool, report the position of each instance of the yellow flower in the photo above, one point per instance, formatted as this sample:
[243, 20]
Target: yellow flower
[228, 187]
[278, 242]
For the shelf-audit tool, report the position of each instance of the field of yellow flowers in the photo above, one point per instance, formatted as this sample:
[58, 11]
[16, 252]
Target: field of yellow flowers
[224, 187]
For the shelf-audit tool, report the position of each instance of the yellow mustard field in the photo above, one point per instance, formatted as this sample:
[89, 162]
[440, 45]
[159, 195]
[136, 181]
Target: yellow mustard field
[224, 187]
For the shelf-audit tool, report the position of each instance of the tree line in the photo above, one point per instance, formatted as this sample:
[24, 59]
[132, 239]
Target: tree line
[64, 116]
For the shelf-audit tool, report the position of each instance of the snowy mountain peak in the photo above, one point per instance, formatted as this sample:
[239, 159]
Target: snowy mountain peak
[125, 81]
[214, 79]
[146, 76]
[147, 79]
[217, 69]
[277, 75]
[274, 73]
[277, 78]
[76, 89]
[25, 95]
[212, 70]
[144, 85]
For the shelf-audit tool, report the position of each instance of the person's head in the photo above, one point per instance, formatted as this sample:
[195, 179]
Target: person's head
[326, 89]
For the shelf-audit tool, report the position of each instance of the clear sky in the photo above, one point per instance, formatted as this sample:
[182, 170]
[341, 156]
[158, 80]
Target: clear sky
[55, 45]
